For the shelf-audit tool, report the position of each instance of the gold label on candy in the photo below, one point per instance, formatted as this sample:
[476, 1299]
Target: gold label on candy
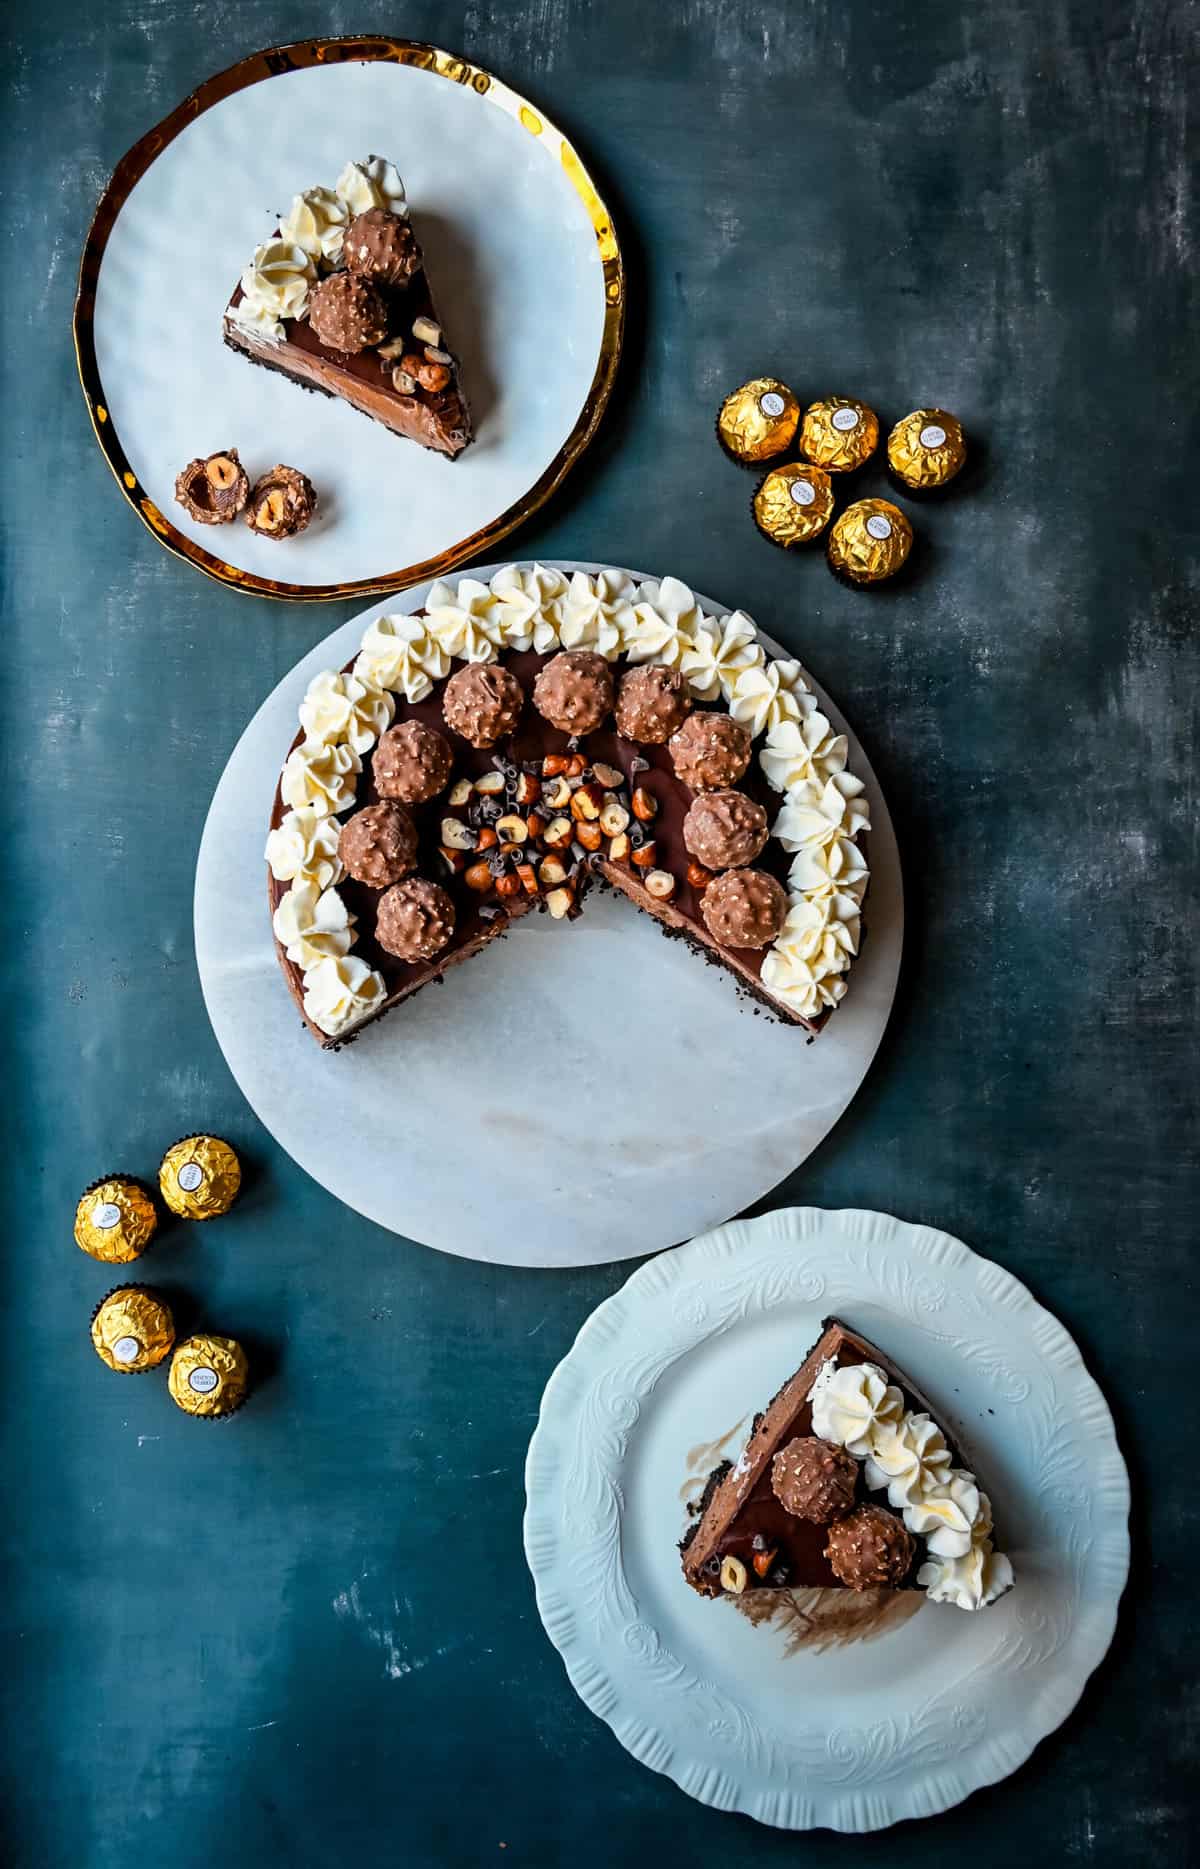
[758, 420]
[200, 1177]
[839, 435]
[926, 449]
[793, 504]
[870, 541]
[115, 1221]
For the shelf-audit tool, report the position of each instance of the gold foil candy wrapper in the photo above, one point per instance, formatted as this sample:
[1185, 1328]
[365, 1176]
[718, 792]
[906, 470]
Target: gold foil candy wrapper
[199, 1177]
[209, 1376]
[870, 541]
[839, 435]
[927, 449]
[758, 421]
[132, 1330]
[115, 1220]
[793, 504]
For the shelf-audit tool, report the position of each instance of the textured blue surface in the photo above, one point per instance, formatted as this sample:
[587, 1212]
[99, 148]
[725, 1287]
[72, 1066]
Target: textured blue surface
[308, 1635]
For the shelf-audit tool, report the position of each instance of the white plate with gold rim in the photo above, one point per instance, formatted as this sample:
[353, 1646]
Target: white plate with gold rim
[802, 1721]
[525, 268]
[579, 1093]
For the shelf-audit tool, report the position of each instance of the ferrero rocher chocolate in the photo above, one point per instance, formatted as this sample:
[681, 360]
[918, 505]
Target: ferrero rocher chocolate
[200, 1177]
[870, 541]
[926, 449]
[758, 421]
[794, 504]
[115, 1220]
[839, 435]
[132, 1330]
[209, 1376]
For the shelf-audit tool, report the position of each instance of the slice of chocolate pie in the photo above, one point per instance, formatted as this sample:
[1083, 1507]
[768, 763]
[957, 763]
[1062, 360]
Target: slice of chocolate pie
[847, 1482]
[339, 301]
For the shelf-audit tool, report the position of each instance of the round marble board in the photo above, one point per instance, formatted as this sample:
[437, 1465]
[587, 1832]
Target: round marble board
[812, 1718]
[540, 1107]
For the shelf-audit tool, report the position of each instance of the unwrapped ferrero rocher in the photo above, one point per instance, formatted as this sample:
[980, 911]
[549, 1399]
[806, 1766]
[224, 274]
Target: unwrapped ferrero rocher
[870, 541]
[209, 1376]
[758, 421]
[200, 1177]
[926, 450]
[794, 504]
[115, 1220]
[838, 434]
[132, 1330]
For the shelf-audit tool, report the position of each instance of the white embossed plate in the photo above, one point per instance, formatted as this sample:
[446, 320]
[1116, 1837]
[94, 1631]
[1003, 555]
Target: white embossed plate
[862, 1735]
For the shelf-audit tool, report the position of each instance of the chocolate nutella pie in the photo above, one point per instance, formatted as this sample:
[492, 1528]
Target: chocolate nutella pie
[339, 301]
[847, 1482]
[517, 743]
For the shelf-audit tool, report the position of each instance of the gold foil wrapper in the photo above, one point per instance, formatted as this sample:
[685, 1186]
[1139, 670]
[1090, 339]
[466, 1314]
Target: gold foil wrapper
[132, 1330]
[759, 420]
[209, 1376]
[869, 541]
[794, 504]
[115, 1220]
[927, 449]
[199, 1177]
[839, 435]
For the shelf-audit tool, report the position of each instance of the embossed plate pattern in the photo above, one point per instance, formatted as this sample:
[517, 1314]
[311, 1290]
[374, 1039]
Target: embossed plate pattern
[901, 1726]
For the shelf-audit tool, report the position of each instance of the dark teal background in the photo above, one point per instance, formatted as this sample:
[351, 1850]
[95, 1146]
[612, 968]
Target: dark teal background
[308, 1636]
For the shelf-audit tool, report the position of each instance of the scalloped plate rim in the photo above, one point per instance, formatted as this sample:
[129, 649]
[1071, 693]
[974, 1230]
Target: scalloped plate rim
[1095, 1625]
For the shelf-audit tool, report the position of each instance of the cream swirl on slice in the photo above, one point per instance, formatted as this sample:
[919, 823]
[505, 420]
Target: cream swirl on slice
[340, 992]
[340, 708]
[324, 777]
[909, 1462]
[303, 848]
[529, 606]
[311, 924]
[951, 1517]
[969, 1582]
[803, 752]
[275, 286]
[596, 612]
[399, 654]
[464, 622]
[853, 1406]
[317, 221]
[372, 183]
[720, 650]
[768, 693]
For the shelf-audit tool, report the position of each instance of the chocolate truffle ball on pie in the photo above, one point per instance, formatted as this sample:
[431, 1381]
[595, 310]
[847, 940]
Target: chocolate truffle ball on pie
[378, 845]
[651, 703]
[744, 908]
[814, 1480]
[412, 763]
[415, 920]
[574, 691]
[483, 703]
[869, 1549]
[724, 830]
[382, 247]
[710, 751]
[347, 313]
